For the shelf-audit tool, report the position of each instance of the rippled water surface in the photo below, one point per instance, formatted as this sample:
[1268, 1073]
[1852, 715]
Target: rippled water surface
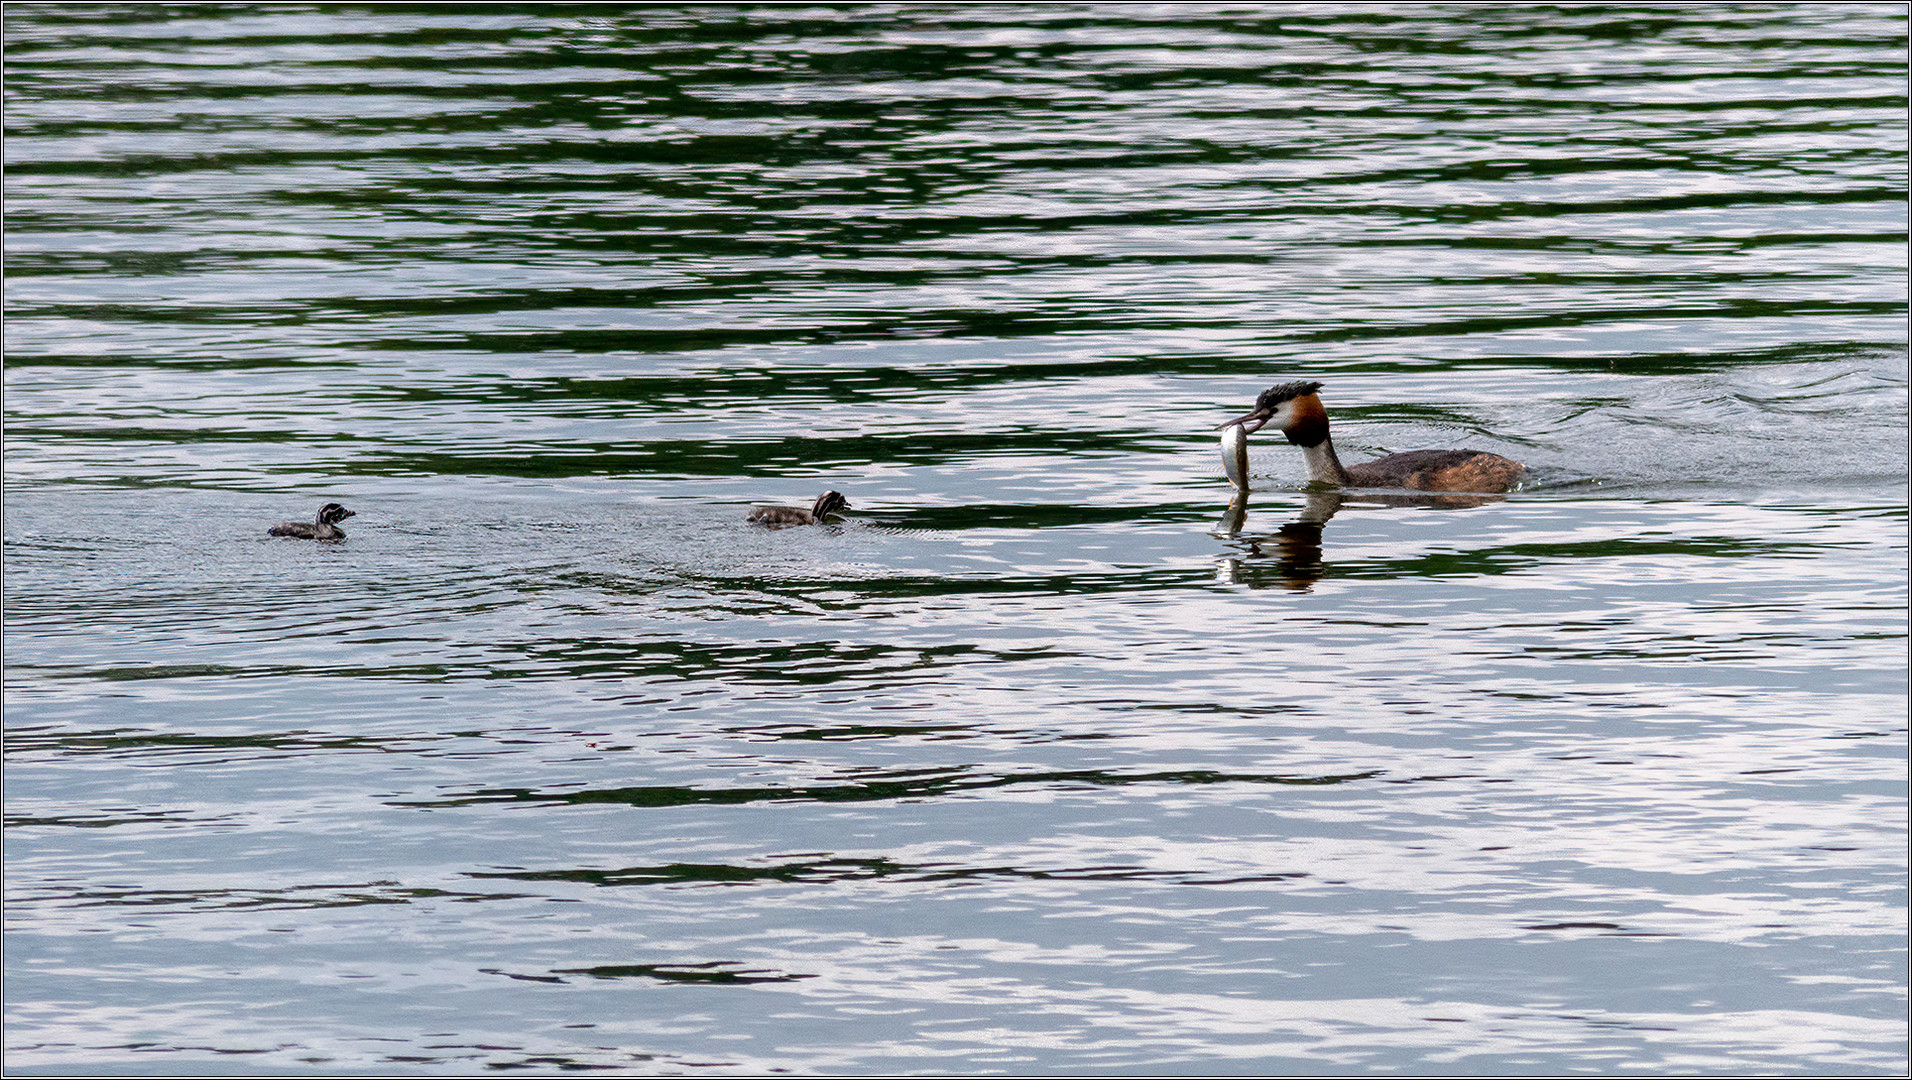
[1045, 759]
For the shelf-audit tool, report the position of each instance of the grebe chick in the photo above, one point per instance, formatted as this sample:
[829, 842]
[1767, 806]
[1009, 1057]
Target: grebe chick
[325, 527]
[1294, 408]
[779, 517]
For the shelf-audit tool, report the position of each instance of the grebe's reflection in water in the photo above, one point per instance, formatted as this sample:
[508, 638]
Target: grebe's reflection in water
[1295, 547]
[1290, 556]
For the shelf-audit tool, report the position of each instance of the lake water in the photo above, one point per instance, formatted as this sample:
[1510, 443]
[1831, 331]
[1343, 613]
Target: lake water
[1042, 761]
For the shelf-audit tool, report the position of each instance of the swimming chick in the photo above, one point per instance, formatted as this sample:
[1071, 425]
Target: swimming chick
[779, 517]
[1294, 408]
[324, 528]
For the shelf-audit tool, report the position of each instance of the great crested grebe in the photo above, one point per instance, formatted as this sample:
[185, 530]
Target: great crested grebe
[1294, 408]
[324, 528]
[778, 517]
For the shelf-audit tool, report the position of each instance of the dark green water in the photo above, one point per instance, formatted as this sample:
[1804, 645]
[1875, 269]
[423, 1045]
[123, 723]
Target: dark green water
[1033, 764]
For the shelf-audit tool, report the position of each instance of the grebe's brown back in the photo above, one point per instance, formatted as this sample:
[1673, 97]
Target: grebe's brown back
[1296, 410]
[778, 517]
[324, 527]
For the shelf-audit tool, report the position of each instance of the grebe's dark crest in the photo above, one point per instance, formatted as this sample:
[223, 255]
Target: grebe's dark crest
[778, 517]
[1296, 410]
[324, 527]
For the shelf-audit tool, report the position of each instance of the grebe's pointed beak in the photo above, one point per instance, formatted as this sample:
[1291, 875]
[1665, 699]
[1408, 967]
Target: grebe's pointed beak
[1250, 423]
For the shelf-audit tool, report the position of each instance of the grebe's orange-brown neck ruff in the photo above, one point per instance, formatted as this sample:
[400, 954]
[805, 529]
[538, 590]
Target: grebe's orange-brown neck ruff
[1295, 410]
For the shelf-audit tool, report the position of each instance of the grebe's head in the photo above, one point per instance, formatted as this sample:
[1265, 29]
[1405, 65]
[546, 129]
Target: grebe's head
[1294, 410]
[829, 503]
[333, 513]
